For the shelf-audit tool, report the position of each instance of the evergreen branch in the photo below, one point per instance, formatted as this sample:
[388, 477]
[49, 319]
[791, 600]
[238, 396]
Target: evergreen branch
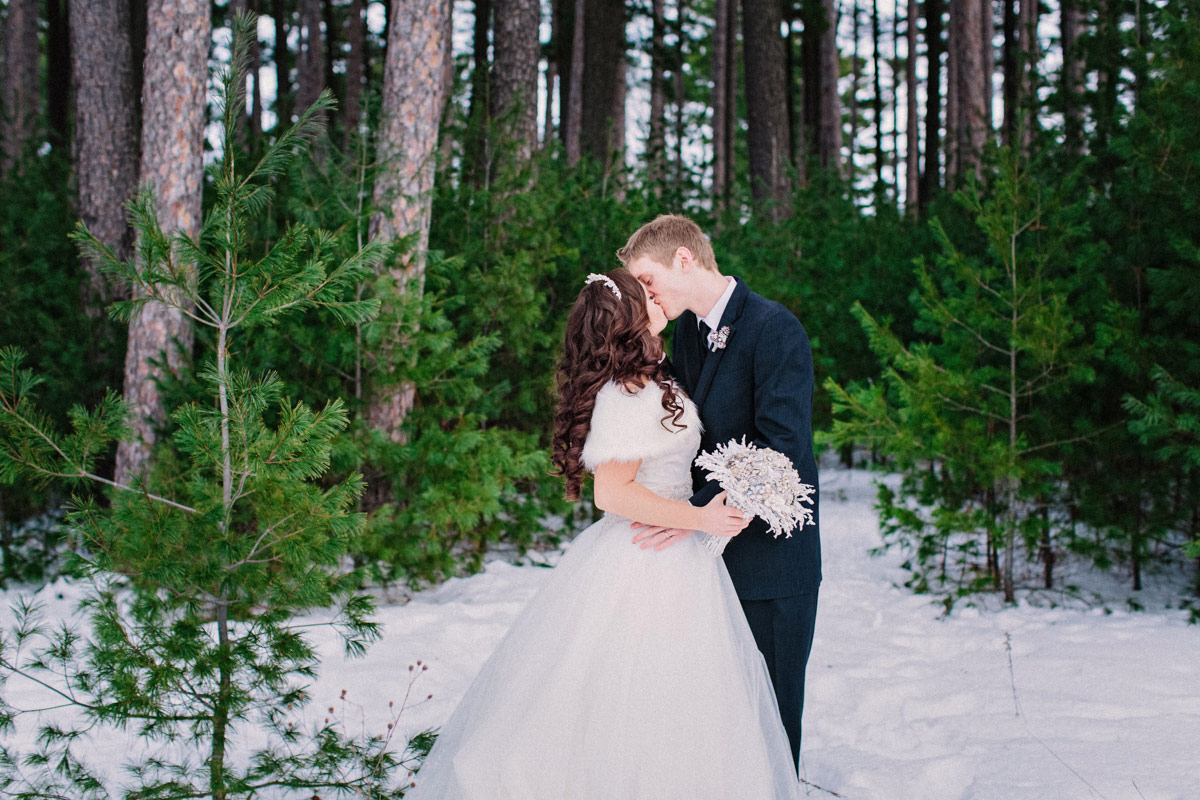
[266, 531]
[71, 699]
[971, 409]
[79, 472]
[1073, 439]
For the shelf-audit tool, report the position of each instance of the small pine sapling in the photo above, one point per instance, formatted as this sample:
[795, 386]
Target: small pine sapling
[197, 571]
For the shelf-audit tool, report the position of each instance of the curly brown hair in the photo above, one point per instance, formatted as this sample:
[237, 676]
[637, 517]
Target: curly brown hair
[607, 339]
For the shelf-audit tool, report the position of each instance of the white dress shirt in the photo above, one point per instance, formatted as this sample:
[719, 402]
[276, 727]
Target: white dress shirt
[713, 320]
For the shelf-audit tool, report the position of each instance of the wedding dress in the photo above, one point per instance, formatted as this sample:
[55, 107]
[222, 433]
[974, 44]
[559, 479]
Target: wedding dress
[632, 675]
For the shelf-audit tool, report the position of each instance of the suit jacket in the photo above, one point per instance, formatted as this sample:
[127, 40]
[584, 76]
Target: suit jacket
[759, 386]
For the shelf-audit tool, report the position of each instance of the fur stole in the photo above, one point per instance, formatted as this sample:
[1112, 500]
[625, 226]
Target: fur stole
[627, 426]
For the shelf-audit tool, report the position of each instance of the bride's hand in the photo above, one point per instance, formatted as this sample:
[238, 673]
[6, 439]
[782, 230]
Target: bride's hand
[723, 520]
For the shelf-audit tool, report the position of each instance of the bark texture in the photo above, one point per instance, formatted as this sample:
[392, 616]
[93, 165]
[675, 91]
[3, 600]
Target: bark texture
[21, 95]
[283, 59]
[603, 56]
[414, 89]
[1072, 75]
[515, 71]
[656, 142]
[173, 117]
[573, 86]
[766, 106]
[935, 46]
[877, 103]
[310, 61]
[1027, 20]
[912, 185]
[974, 113]
[355, 68]
[829, 134]
[106, 134]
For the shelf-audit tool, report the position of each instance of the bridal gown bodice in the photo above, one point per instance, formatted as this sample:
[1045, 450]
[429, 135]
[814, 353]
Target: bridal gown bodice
[634, 425]
[632, 674]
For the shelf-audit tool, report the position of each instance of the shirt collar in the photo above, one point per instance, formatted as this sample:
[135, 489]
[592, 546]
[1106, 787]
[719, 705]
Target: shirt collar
[713, 320]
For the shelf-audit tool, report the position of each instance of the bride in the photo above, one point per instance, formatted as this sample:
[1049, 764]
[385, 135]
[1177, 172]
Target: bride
[632, 675]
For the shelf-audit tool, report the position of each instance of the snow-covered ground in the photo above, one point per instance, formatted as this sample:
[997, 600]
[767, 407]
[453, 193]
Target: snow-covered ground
[1043, 700]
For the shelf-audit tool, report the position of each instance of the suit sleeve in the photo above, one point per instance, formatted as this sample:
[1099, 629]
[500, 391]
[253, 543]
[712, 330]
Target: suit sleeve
[783, 392]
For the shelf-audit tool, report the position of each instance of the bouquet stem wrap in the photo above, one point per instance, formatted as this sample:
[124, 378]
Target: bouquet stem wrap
[759, 481]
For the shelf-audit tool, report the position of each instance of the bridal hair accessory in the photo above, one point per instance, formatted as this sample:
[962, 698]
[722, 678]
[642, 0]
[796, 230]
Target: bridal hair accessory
[609, 282]
[718, 339]
[759, 481]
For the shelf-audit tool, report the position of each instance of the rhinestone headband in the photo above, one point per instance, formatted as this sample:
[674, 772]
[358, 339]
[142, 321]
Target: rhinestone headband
[609, 282]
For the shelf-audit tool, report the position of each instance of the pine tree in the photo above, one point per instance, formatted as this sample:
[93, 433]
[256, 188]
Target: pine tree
[963, 414]
[197, 571]
[1169, 419]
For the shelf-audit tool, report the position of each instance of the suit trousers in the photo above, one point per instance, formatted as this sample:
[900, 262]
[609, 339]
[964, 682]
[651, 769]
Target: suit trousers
[783, 629]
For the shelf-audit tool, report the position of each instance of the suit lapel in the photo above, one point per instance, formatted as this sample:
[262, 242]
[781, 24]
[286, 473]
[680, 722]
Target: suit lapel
[713, 361]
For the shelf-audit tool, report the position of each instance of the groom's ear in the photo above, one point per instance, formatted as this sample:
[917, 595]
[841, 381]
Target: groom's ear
[686, 259]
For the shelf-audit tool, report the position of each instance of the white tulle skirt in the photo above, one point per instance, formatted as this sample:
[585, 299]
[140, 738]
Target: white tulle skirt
[632, 675]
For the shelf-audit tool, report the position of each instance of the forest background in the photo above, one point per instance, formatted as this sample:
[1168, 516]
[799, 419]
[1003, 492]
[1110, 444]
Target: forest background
[984, 213]
[981, 211]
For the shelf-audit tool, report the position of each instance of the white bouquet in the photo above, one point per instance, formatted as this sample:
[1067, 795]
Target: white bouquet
[759, 481]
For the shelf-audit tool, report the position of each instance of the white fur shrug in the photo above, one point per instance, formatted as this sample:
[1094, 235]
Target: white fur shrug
[626, 426]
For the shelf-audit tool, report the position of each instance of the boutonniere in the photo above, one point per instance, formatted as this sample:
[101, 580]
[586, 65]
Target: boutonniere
[719, 338]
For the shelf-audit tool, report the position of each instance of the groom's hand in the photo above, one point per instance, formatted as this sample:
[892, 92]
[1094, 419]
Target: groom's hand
[657, 537]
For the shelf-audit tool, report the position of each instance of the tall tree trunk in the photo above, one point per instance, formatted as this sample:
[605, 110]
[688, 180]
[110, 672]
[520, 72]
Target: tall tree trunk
[172, 163]
[766, 107]
[21, 98]
[855, 77]
[731, 86]
[987, 20]
[1027, 22]
[893, 70]
[477, 144]
[877, 104]
[931, 174]
[310, 61]
[972, 126]
[656, 141]
[912, 189]
[515, 72]
[329, 47]
[1012, 79]
[603, 56]
[58, 72]
[552, 73]
[829, 142]
[414, 89]
[574, 108]
[678, 97]
[791, 76]
[355, 69]
[619, 91]
[256, 98]
[284, 95]
[1072, 75]
[106, 134]
[953, 84]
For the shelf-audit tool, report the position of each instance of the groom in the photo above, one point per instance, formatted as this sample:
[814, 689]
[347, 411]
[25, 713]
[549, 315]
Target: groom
[747, 365]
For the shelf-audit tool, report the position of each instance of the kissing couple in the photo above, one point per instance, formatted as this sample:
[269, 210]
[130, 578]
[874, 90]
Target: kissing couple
[646, 668]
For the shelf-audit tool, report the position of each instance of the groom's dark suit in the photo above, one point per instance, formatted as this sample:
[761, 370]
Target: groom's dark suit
[760, 385]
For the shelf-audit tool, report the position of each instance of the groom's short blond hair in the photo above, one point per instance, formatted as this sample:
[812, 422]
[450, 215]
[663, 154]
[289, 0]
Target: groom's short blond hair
[660, 238]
